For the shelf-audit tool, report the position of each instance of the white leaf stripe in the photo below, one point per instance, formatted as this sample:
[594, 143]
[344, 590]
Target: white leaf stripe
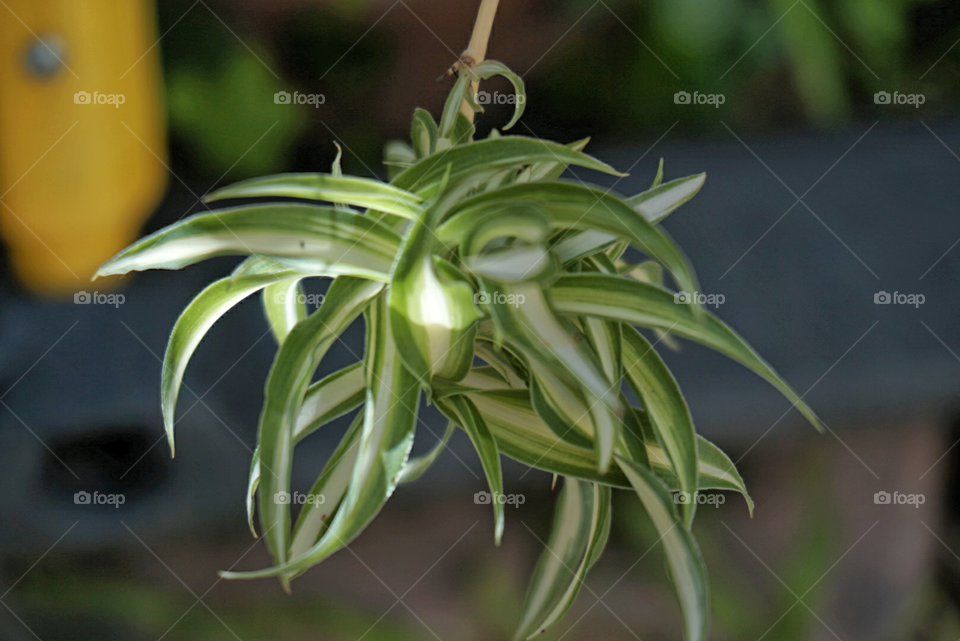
[337, 242]
[506, 151]
[669, 416]
[662, 200]
[461, 410]
[415, 467]
[636, 303]
[387, 435]
[684, 563]
[349, 190]
[328, 398]
[286, 386]
[580, 527]
[193, 324]
[576, 206]
[332, 485]
[283, 307]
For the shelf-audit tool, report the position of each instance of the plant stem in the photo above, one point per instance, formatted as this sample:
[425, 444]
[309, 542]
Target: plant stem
[477, 49]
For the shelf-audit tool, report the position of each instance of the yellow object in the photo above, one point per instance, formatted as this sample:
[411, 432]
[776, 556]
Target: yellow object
[82, 141]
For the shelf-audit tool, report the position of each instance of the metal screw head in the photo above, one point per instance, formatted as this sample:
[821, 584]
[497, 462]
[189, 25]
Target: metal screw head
[44, 56]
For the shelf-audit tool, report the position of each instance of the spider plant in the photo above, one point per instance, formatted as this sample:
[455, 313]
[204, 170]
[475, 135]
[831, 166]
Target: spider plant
[496, 291]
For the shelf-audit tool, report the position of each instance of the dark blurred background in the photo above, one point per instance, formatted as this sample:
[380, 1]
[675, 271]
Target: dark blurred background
[821, 197]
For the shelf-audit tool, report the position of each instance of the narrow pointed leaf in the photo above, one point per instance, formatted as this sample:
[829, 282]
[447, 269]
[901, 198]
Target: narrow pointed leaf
[389, 420]
[490, 68]
[653, 383]
[195, 321]
[349, 190]
[716, 470]
[522, 436]
[498, 153]
[292, 369]
[684, 563]
[283, 305]
[416, 467]
[580, 528]
[576, 206]
[423, 133]
[329, 398]
[660, 201]
[636, 303]
[549, 169]
[462, 410]
[328, 490]
[659, 177]
[337, 242]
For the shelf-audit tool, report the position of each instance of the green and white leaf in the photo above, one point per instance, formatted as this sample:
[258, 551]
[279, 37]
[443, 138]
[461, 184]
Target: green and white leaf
[195, 321]
[464, 413]
[388, 427]
[432, 316]
[331, 486]
[669, 415]
[336, 242]
[580, 529]
[660, 201]
[349, 190]
[283, 306]
[289, 377]
[329, 398]
[417, 466]
[636, 303]
[498, 153]
[576, 206]
[684, 563]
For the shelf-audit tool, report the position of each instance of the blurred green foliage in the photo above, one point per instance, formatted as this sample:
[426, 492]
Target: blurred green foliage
[779, 63]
